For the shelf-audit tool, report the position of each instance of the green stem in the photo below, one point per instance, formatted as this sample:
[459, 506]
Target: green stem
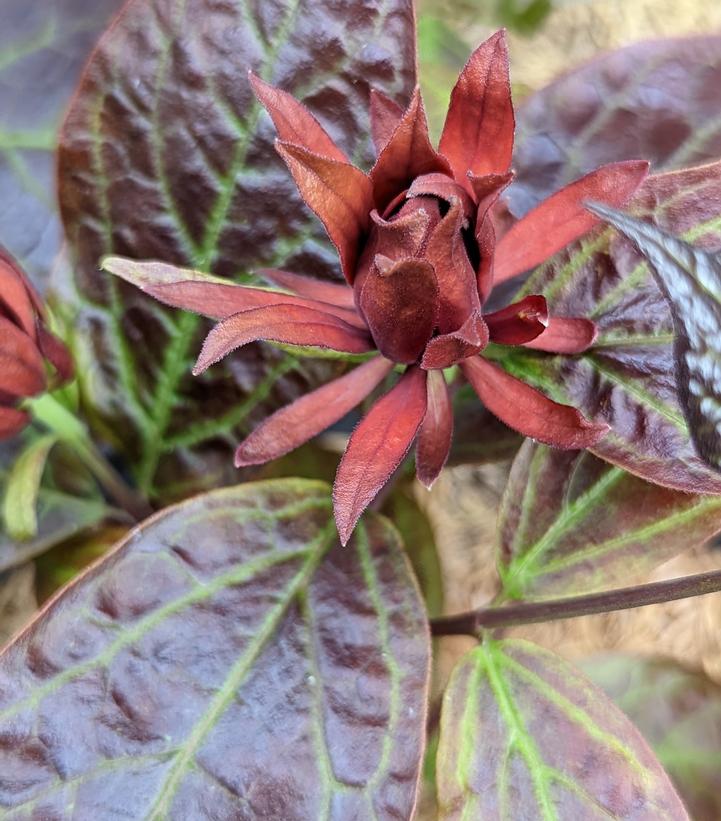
[474, 622]
[47, 410]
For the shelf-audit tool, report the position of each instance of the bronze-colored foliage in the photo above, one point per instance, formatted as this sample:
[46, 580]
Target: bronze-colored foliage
[525, 735]
[571, 523]
[165, 154]
[228, 659]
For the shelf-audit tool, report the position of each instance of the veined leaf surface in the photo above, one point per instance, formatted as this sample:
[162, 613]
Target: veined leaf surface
[627, 378]
[227, 660]
[166, 154]
[525, 735]
[679, 713]
[571, 523]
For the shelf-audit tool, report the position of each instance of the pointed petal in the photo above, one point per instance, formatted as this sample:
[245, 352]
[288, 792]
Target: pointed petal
[527, 410]
[12, 421]
[562, 218]
[377, 447]
[486, 190]
[293, 122]
[565, 335]
[457, 286]
[317, 289]
[486, 239]
[56, 353]
[445, 188]
[340, 194]
[435, 434]
[407, 155]
[449, 349]
[478, 132]
[292, 426]
[385, 116]
[287, 324]
[22, 372]
[518, 323]
[208, 295]
[18, 301]
[399, 301]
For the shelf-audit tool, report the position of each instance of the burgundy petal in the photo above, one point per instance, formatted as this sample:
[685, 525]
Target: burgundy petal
[293, 122]
[56, 353]
[377, 447]
[399, 301]
[565, 335]
[208, 295]
[407, 155]
[486, 190]
[445, 188]
[562, 218]
[312, 413]
[457, 286]
[436, 431]
[527, 410]
[449, 349]
[17, 300]
[486, 239]
[288, 324]
[518, 323]
[478, 132]
[385, 116]
[22, 371]
[12, 421]
[339, 193]
[316, 289]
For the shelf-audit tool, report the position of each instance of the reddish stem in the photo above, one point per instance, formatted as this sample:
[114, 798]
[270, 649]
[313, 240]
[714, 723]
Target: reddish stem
[475, 621]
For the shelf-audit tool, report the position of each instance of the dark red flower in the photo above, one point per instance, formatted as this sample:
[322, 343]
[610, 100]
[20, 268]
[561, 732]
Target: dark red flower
[419, 251]
[26, 347]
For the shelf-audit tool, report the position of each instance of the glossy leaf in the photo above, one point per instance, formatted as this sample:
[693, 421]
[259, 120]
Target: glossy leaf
[678, 711]
[627, 377]
[656, 100]
[229, 658]
[691, 281]
[167, 155]
[525, 735]
[571, 523]
[43, 47]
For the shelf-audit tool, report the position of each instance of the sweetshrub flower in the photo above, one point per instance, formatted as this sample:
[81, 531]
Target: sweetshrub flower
[27, 348]
[418, 249]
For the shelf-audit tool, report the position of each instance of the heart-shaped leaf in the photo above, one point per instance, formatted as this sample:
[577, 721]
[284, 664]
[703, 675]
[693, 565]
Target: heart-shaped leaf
[227, 660]
[691, 281]
[679, 713]
[571, 523]
[627, 378]
[657, 101]
[43, 47]
[525, 735]
[166, 154]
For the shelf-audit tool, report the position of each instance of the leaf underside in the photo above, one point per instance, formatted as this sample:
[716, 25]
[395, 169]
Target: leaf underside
[166, 154]
[227, 660]
[524, 735]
